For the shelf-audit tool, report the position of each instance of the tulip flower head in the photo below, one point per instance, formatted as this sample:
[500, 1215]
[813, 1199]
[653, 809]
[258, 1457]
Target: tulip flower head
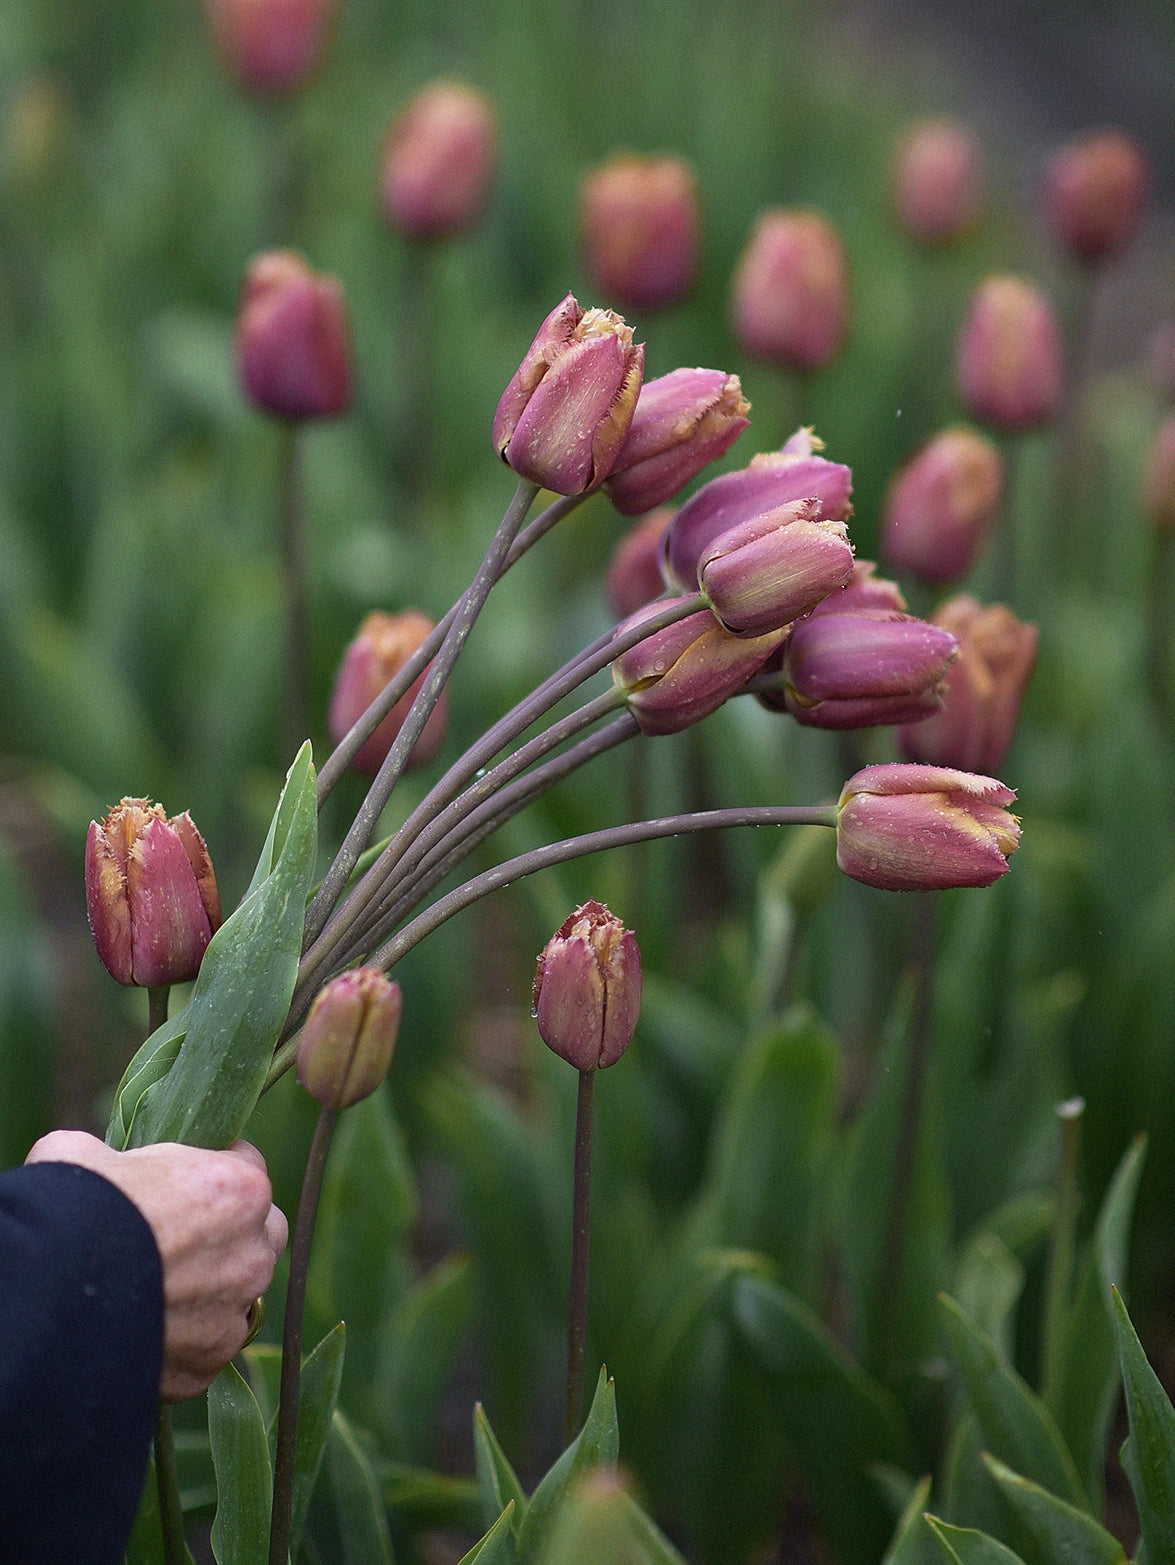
[976, 722]
[682, 421]
[924, 828]
[864, 668]
[292, 341]
[1095, 192]
[1008, 355]
[438, 161]
[770, 569]
[562, 420]
[936, 184]
[382, 646]
[941, 505]
[587, 988]
[150, 893]
[790, 291]
[634, 572]
[347, 1040]
[638, 227]
[270, 47]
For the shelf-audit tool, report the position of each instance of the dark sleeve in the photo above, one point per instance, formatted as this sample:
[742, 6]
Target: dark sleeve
[81, 1342]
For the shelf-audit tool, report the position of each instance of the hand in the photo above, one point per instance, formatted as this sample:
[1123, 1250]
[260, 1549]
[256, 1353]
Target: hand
[219, 1237]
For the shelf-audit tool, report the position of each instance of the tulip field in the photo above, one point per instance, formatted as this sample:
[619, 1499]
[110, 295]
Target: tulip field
[587, 605]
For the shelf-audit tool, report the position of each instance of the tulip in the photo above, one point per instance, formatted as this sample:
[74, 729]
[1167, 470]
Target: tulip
[863, 590]
[985, 685]
[679, 675]
[638, 226]
[941, 505]
[587, 989]
[562, 420]
[347, 1039]
[1158, 480]
[770, 480]
[292, 341]
[383, 645]
[770, 569]
[863, 669]
[270, 47]
[937, 180]
[682, 422]
[924, 828]
[1095, 192]
[1008, 355]
[438, 161]
[150, 893]
[790, 291]
[634, 573]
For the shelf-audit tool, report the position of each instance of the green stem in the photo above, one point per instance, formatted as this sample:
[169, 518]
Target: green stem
[157, 999]
[286, 1450]
[293, 557]
[581, 1204]
[1059, 1283]
[171, 1511]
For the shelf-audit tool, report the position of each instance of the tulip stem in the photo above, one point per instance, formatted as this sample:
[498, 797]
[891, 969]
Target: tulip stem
[469, 607]
[171, 1512]
[293, 556]
[286, 1449]
[581, 1203]
[1059, 1278]
[157, 998]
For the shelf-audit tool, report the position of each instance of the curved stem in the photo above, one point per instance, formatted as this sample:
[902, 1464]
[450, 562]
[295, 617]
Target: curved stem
[581, 1233]
[467, 610]
[171, 1511]
[286, 1449]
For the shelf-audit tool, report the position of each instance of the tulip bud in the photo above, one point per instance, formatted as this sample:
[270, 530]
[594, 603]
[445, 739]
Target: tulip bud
[634, 574]
[941, 505]
[679, 675]
[587, 989]
[379, 651]
[1008, 355]
[863, 590]
[683, 421]
[638, 226]
[974, 727]
[563, 418]
[790, 291]
[767, 571]
[864, 669]
[438, 161]
[772, 479]
[347, 1040]
[292, 342]
[937, 180]
[1158, 480]
[150, 893]
[924, 828]
[1095, 192]
[270, 47]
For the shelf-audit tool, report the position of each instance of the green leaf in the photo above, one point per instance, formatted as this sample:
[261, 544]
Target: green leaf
[965, 1546]
[911, 1538]
[497, 1485]
[596, 1445]
[358, 1505]
[1148, 1454]
[421, 1341]
[1084, 1391]
[322, 1375]
[497, 1547]
[198, 1077]
[244, 1483]
[424, 1500]
[600, 1521]
[1015, 1425]
[1058, 1530]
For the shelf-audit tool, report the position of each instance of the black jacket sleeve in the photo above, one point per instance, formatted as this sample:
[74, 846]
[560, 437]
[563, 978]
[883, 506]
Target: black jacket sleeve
[81, 1341]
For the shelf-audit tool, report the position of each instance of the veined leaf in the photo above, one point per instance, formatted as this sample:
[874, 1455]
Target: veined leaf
[240, 1455]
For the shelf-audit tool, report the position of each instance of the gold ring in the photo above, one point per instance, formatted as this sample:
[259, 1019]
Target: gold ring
[254, 1319]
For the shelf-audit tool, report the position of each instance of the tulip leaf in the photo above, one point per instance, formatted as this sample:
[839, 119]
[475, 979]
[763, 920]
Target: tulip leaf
[322, 1374]
[497, 1547]
[497, 1486]
[911, 1540]
[596, 1445]
[420, 1343]
[1148, 1454]
[1014, 1423]
[358, 1509]
[240, 1455]
[198, 1077]
[1058, 1530]
[966, 1546]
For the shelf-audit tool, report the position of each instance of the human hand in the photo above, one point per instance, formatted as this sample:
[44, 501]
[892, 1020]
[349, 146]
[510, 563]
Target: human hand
[219, 1237]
